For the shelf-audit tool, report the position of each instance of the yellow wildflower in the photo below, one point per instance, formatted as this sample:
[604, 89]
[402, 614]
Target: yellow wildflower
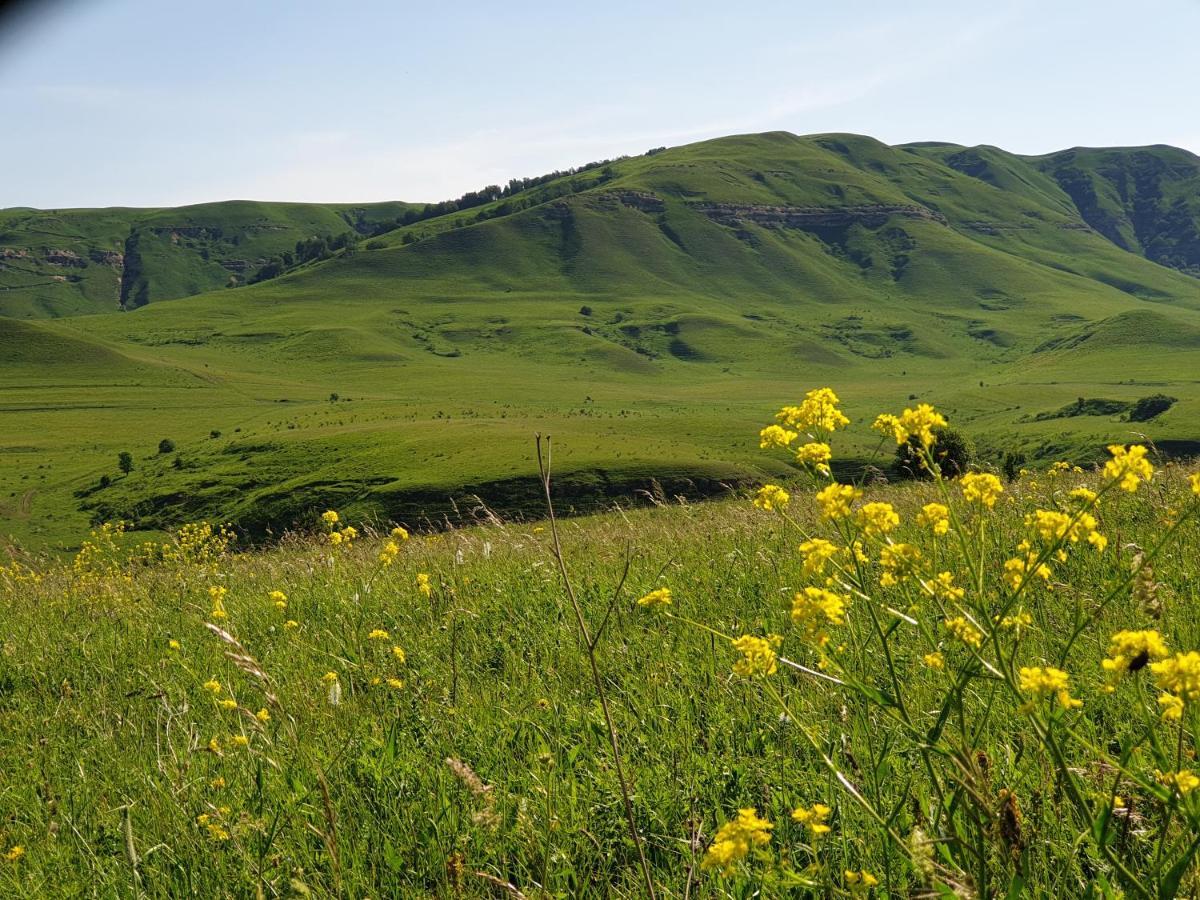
[1172, 707]
[214, 746]
[815, 454]
[423, 584]
[771, 496]
[1017, 622]
[1194, 481]
[262, 715]
[290, 624]
[813, 818]
[816, 607]
[329, 517]
[1018, 570]
[965, 631]
[735, 839]
[378, 634]
[213, 686]
[877, 518]
[758, 655]
[217, 595]
[775, 436]
[227, 703]
[173, 644]
[835, 500]
[335, 538]
[657, 597]
[1129, 651]
[400, 534]
[1184, 781]
[981, 487]
[1041, 681]
[14, 853]
[859, 881]
[935, 517]
[818, 411]
[935, 660]
[1128, 466]
[329, 677]
[1053, 526]
[898, 561]
[1085, 496]
[395, 683]
[817, 554]
[239, 740]
[1179, 675]
[217, 783]
[388, 554]
[398, 652]
[919, 422]
[942, 587]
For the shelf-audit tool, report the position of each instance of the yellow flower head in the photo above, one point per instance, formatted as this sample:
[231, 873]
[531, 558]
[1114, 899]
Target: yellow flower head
[213, 686]
[657, 597]
[291, 624]
[835, 500]
[329, 677]
[771, 496]
[378, 634]
[423, 584]
[817, 554]
[1038, 681]
[813, 818]
[1128, 466]
[395, 683]
[775, 436]
[173, 644]
[239, 740]
[14, 853]
[277, 597]
[935, 660]
[329, 517]
[815, 454]
[400, 534]
[1129, 651]
[942, 587]
[935, 517]
[814, 608]
[983, 488]
[227, 703]
[877, 518]
[1018, 570]
[735, 840]
[758, 655]
[962, 628]
[262, 715]
[899, 561]
[1184, 781]
[860, 881]
[818, 412]
[1052, 526]
[1179, 675]
[919, 422]
[398, 652]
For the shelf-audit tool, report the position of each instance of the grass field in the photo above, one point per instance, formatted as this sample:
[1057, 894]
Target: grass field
[171, 727]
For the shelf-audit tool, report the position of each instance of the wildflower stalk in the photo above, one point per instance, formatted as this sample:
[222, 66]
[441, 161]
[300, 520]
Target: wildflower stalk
[589, 644]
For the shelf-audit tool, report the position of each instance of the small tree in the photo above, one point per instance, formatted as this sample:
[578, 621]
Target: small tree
[1013, 462]
[125, 461]
[953, 453]
[166, 445]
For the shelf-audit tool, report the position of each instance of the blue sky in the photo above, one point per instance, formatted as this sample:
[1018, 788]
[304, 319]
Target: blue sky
[146, 102]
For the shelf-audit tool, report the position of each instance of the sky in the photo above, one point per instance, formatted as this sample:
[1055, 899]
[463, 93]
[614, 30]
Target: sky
[152, 103]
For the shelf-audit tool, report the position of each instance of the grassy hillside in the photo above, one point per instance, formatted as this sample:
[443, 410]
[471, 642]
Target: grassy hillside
[642, 313]
[79, 261]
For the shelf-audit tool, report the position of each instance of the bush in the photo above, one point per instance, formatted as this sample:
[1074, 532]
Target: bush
[954, 452]
[125, 461]
[1147, 408]
[166, 445]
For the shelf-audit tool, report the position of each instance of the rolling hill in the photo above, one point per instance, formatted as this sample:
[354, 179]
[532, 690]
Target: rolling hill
[650, 313]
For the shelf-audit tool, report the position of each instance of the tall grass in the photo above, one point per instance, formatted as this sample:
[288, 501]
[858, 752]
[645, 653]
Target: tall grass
[291, 750]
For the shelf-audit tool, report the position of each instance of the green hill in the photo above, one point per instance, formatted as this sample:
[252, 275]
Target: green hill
[649, 313]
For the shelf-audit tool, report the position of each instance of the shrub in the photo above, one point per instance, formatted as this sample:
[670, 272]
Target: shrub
[954, 452]
[125, 461]
[166, 445]
[1147, 408]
